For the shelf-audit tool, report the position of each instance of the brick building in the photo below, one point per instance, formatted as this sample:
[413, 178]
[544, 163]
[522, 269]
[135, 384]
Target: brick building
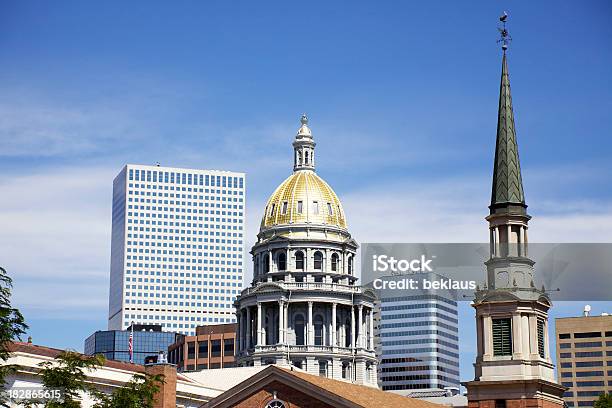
[213, 346]
[276, 387]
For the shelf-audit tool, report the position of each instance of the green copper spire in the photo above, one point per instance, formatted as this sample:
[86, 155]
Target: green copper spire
[507, 193]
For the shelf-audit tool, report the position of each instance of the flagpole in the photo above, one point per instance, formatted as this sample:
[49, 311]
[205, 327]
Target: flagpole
[131, 344]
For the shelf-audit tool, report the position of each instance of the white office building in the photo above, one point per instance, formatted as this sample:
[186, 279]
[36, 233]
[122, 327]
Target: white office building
[418, 344]
[177, 247]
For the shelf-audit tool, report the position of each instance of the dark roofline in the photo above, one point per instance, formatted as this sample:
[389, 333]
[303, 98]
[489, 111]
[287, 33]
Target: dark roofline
[272, 373]
[45, 351]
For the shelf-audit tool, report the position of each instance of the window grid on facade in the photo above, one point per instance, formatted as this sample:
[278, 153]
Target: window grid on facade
[177, 247]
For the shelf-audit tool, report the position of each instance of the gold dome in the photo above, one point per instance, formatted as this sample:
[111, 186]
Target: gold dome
[304, 198]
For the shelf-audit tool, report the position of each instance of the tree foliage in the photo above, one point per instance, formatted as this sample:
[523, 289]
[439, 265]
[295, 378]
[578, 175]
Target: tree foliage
[69, 372]
[604, 401]
[12, 325]
[140, 392]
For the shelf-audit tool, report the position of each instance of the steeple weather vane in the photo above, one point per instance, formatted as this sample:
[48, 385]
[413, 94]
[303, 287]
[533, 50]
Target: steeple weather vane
[503, 32]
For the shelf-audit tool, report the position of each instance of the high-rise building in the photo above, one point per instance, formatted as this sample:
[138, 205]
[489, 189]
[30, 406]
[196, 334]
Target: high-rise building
[148, 340]
[177, 247]
[418, 343]
[584, 357]
[513, 366]
[304, 307]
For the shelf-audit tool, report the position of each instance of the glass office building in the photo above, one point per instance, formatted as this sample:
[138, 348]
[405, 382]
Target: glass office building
[113, 344]
[418, 345]
[177, 247]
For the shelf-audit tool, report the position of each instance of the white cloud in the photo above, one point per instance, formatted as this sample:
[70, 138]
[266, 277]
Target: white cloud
[56, 237]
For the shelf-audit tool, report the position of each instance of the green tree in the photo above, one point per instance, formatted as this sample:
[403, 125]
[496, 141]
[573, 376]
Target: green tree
[604, 401]
[138, 393]
[69, 372]
[12, 326]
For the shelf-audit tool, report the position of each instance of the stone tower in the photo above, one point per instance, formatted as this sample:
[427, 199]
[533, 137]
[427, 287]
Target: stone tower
[513, 364]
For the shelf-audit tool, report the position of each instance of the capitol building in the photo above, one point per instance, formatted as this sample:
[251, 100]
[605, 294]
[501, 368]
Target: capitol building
[304, 307]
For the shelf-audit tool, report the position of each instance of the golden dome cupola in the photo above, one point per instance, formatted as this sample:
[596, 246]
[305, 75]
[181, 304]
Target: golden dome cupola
[304, 197]
[304, 147]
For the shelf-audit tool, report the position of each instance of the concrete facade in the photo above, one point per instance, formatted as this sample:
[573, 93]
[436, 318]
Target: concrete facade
[584, 358]
[177, 247]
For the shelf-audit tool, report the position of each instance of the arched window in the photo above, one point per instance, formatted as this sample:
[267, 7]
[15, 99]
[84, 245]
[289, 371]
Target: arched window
[299, 260]
[334, 262]
[276, 404]
[298, 324]
[318, 330]
[256, 266]
[306, 157]
[369, 372]
[350, 265]
[266, 262]
[322, 368]
[281, 261]
[345, 370]
[318, 261]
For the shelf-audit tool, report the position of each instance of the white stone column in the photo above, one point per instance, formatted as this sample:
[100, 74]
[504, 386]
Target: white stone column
[281, 322]
[517, 341]
[525, 329]
[487, 327]
[360, 326]
[479, 339]
[248, 327]
[547, 343]
[286, 320]
[259, 326]
[352, 327]
[533, 337]
[371, 339]
[240, 330]
[333, 320]
[309, 337]
[271, 269]
[497, 244]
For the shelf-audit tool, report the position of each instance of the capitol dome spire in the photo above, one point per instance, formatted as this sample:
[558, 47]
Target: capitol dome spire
[303, 147]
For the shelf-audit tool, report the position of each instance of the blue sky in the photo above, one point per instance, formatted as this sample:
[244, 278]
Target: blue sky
[402, 98]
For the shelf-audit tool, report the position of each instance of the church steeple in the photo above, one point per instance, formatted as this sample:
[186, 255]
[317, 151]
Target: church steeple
[507, 192]
[304, 147]
[513, 361]
[509, 267]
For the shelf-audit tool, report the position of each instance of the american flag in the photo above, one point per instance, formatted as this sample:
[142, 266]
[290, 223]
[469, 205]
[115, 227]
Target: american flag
[131, 347]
